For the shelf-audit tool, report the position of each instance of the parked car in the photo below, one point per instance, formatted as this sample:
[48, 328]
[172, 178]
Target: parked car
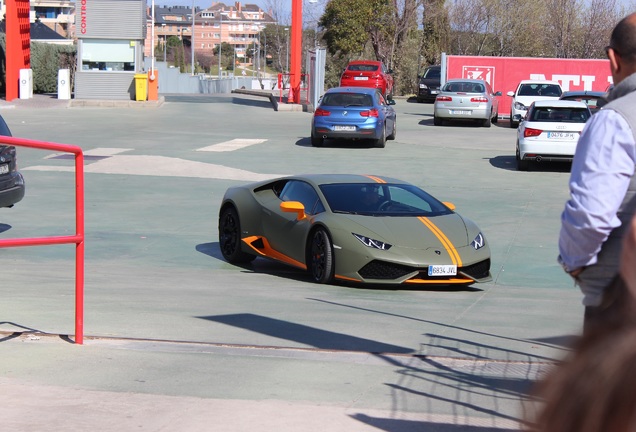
[593, 99]
[368, 73]
[466, 99]
[550, 131]
[354, 229]
[527, 92]
[354, 113]
[11, 181]
[429, 84]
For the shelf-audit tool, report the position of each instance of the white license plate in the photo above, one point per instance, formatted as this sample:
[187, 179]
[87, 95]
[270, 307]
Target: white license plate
[361, 78]
[434, 91]
[442, 270]
[460, 112]
[562, 135]
[4, 168]
[344, 128]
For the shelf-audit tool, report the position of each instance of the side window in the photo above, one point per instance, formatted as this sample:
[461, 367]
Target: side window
[303, 192]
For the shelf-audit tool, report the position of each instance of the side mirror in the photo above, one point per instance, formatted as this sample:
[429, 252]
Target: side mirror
[450, 205]
[498, 93]
[511, 94]
[294, 207]
[390, 102]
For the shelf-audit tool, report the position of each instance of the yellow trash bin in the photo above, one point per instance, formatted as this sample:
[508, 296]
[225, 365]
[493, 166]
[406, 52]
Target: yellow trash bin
[141, 87]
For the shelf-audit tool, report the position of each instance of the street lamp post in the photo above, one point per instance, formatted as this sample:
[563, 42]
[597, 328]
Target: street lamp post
[165, 40]
[220, 41]
[287, 53]
[192, 39]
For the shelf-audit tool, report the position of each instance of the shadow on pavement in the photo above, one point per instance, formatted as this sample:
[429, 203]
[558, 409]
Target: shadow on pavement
[4, 227]
[509, 162]
[397, 425]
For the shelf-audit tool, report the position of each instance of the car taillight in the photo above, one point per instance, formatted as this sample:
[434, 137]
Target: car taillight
[479, 99]
[529, 132]
[443, 98]
[371, 113]
[321, 113]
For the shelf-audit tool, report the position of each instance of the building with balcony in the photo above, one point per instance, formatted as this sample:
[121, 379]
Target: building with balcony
[239, 25]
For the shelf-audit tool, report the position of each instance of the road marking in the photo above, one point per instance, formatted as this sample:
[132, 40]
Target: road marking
[160, 166]
[232, 145]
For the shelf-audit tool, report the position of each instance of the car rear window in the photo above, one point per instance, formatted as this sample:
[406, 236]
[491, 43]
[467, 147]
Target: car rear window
[551, 90]
[432, 73]
[567, 115]
[363, 67]
[464, 87]
[346, 99]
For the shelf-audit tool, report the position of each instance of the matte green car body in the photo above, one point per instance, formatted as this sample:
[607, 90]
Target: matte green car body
[269, 227]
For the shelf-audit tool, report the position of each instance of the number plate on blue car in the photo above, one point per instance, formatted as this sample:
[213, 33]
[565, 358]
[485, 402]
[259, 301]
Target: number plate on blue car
[344, 128]
[442, 270]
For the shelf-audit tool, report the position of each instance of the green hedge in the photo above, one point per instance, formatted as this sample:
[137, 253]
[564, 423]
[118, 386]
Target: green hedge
[46, 61]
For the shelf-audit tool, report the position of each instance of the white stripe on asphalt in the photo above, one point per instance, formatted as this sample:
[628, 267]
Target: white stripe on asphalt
[235, 144]
[160, 166]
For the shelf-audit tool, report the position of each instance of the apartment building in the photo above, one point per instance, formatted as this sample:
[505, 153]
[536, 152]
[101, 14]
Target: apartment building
[238, 25]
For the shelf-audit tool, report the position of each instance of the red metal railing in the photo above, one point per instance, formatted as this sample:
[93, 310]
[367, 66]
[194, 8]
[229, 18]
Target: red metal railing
[78, 238]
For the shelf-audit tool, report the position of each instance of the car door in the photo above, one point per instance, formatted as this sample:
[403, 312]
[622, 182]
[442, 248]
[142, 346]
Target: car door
[285, 232]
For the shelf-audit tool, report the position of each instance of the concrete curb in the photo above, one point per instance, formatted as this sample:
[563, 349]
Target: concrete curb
[274, 99]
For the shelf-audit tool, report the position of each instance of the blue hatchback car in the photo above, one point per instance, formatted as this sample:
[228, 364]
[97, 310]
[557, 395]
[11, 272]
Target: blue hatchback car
[353, 113]
[11, 181]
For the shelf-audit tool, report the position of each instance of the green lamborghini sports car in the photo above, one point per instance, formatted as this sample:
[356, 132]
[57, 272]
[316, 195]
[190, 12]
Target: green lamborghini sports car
[353, 228]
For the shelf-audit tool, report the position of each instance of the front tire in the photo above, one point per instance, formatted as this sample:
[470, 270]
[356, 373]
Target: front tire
[394, 132]
[320, 257]
[230, 237]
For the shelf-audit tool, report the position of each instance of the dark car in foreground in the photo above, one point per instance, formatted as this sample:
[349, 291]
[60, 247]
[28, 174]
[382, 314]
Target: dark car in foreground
[354, 113]
[429, 85]
[353, 228]
[11, 181]
[593, 99]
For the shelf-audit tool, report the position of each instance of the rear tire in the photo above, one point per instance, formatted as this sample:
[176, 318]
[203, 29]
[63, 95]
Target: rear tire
[437, 121]
[487, 122]
[230, 237]
[522, 165]
[316, 141]
[320, 258]
[381, 142]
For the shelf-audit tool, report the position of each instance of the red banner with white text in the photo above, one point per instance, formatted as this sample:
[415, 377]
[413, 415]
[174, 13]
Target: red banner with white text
[504, 73]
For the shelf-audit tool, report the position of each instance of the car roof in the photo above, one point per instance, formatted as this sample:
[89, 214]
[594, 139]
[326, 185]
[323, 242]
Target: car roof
[539, 82]
[362, 90]
[321, 179]
[476, 81]
[558, 103]
[375, 62]
[575, 93]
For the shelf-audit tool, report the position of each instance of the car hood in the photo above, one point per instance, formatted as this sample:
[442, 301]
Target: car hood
[412, 232]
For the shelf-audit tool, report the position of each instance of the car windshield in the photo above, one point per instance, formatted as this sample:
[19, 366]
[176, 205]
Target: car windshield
[363, 67]
[464, 87]
[432, 73]
[567, 115]
[551, 90]
[386, 199]
[346, 99]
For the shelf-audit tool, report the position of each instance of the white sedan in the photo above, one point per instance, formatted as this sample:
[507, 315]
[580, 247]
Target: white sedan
[529, 91]
[550, 131]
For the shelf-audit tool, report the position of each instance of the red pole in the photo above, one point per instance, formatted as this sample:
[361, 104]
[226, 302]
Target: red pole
[296, 51]
[79, 248]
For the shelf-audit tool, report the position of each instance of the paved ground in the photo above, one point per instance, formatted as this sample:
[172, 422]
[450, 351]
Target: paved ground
[177, 339]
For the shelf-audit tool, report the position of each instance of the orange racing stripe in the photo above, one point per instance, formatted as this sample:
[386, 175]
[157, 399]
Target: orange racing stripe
[454, 255]
[375, 179]
[268, 251]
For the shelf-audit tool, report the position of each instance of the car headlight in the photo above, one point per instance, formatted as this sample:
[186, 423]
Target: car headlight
[423, 86]
[369, 242]
[478, 242]
[520, 106]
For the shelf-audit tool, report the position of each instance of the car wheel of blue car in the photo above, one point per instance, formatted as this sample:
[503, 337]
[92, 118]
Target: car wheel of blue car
[316, 141]
[321, 261]
[230, 237]
[381, 142]
[394, 133]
